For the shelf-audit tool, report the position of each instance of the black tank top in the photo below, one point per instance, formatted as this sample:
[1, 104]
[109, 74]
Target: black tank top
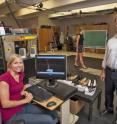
[81, 39]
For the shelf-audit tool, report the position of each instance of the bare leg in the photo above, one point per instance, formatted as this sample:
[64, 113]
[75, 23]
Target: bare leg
[81, 60]
[76, 59]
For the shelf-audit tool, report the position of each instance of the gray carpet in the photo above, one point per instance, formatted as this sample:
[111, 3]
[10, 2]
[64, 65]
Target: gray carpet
[83, 114]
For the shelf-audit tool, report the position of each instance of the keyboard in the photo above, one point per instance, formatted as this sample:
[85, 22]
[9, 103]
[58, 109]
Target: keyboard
[61, 90]
[39, 94]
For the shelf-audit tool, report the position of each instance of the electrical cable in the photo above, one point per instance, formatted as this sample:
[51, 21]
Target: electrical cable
[11, 12]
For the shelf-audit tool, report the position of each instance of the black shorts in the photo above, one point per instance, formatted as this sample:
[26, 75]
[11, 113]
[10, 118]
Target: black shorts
[80, 49]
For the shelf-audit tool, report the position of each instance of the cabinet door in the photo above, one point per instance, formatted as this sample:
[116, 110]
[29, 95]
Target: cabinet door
[45, 36]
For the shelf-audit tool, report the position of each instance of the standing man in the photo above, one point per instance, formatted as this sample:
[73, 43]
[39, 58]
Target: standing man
[56, 39]
[109, 72]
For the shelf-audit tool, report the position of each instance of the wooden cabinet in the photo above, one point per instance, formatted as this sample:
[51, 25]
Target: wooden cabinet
[45, 35]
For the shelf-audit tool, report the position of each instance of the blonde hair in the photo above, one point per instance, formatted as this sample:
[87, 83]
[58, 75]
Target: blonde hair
[11, 59]
[79, 30]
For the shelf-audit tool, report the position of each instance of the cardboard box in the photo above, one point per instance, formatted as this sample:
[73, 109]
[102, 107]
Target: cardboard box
[76, 106]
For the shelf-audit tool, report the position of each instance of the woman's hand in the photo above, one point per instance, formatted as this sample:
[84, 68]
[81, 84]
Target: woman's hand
[24, 93]
[26, 86]
[28, 96]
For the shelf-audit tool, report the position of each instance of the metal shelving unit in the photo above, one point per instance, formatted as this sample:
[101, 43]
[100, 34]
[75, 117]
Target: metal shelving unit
[2, 57]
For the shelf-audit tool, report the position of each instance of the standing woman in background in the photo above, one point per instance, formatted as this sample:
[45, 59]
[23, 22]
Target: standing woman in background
[15, 107]
[79, 50]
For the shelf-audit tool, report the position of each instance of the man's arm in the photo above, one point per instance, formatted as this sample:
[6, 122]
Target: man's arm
[102, 75]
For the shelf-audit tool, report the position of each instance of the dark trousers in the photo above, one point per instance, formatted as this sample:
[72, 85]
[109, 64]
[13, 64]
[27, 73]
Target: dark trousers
[110, 86]
[33, 114]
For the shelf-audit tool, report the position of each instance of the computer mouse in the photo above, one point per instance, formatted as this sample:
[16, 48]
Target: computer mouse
[50, 104]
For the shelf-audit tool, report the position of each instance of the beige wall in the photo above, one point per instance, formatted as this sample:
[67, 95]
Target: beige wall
[9, 21]
[30, 22]
[109, 19]
[42, 19]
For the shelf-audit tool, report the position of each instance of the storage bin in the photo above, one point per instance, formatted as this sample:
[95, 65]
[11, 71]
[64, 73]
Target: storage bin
[76, 106]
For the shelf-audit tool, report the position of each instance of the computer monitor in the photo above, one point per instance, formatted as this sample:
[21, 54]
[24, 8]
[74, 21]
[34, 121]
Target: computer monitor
[51, 67]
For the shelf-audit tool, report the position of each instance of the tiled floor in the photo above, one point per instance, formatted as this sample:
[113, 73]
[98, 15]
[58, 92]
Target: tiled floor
[87, 54]
[93, 70]
[92, 55]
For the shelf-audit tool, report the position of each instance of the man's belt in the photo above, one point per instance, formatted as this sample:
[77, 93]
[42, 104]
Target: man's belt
[113, 70]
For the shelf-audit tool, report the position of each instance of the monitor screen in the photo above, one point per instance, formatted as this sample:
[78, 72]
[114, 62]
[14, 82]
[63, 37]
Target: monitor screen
[51, 66]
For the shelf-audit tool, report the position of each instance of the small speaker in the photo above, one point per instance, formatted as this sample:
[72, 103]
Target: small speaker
[33, 51]
[22, 52]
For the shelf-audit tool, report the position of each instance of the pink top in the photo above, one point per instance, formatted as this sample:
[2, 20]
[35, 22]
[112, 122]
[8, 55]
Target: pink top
[15, 89]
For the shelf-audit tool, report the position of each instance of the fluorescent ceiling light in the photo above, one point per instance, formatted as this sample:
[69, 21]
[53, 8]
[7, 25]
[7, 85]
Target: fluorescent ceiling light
[25, 11]
[98, 8]
[85, 10]
[51, 4]
[2, 1]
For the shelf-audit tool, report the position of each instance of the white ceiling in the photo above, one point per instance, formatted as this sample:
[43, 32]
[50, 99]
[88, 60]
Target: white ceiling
[22, 8]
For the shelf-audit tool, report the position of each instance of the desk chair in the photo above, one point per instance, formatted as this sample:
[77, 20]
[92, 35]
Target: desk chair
[52, 46]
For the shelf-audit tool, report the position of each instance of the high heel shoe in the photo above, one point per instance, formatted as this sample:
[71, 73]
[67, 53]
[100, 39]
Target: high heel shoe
[84, 67]
[76, 65]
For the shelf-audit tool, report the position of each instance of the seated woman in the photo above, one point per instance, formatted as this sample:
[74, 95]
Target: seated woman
[15, 107]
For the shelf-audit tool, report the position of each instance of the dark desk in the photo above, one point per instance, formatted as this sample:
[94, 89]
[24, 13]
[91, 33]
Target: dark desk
[63, 92]
[90, 100]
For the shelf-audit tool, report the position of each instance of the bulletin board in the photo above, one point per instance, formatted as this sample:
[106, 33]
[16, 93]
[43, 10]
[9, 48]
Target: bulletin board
[95, 38]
